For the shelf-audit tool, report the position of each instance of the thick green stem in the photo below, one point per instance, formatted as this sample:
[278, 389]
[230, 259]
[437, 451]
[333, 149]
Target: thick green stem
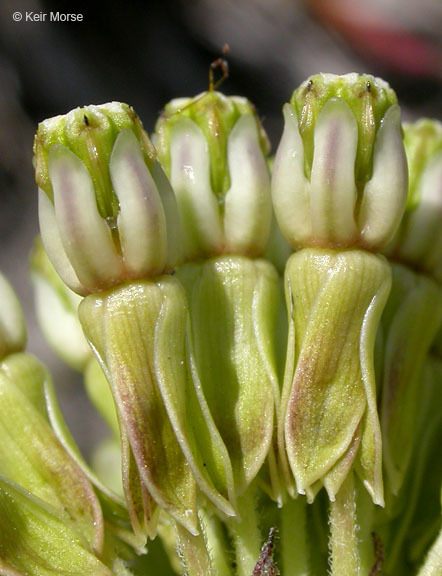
[246, 535]
[194, 553]
[343, 532]
[294, 550]
[217, 544]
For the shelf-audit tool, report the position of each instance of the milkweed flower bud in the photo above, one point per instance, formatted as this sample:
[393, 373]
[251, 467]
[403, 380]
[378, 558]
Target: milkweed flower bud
[340, 175]
[12, 324]
[107, 213]
[214, 149]
[419, 238]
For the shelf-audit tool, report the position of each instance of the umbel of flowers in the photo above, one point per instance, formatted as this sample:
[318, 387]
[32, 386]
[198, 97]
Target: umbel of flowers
[255, 437]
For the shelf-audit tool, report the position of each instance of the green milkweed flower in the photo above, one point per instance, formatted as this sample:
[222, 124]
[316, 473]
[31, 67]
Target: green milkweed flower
[109, 221]
[214, 149]
[339, 187]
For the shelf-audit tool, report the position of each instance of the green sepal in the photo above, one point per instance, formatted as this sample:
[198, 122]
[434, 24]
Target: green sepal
[412, 317]
[139, 333]
[233, 306]
[35, 538]
[335, 300]
[32, 456]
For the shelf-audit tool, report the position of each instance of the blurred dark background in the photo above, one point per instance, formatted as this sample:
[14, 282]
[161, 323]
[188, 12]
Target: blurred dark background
[146, 53]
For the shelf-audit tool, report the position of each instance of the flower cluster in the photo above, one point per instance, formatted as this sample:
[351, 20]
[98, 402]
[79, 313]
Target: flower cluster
[250, 434]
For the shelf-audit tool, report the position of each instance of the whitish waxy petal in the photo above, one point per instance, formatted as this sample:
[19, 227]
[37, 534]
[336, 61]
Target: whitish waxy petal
[141, 221]
[51, 239]
[333, 293]
[31, 455]
[385, 195]
[190, 179]
[36, 539]
[233, 305]
[333, 187]
[85, 235]
[424, 223]
[248, 208]
[12, 323]
[290, 187]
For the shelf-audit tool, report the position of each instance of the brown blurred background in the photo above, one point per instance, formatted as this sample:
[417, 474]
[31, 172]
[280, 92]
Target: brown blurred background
[146, 53]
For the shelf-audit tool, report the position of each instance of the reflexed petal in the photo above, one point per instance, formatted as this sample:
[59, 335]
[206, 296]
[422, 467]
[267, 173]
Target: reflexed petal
[248, 208]
[333, 188]
[36, 539]
[122, 327]
[333, 294]
[290, 187]
[385, 195]
[233, 304]
[141, 221]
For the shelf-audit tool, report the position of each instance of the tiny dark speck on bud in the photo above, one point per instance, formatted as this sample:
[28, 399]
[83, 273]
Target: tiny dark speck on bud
[86, 120]
[172, 272]
[309, 85]
[368, 86]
